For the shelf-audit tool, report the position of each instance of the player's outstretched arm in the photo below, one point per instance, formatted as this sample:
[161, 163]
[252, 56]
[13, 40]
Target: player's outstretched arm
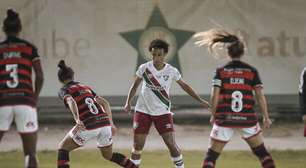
[132, 93]
[39, 77]
[214, 99]
[261, 99]
[74, 110]
[188, 89]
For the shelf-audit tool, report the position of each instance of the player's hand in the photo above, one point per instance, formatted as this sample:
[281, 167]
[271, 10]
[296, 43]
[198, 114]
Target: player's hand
[267, 122]
[205, 104]
[212, 119]
[80, 124]
[128, 108]
[114, 129]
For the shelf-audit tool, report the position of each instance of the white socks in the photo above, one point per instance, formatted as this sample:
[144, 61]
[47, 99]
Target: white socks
[178, 161]
[136, 162]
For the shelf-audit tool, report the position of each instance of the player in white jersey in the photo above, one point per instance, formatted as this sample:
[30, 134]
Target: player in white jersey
[153, 104]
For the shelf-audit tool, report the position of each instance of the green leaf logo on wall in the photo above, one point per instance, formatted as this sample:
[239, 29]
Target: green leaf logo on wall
[157, 27]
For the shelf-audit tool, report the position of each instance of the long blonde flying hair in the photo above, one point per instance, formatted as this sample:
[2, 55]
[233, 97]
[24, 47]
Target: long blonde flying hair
[213, 37]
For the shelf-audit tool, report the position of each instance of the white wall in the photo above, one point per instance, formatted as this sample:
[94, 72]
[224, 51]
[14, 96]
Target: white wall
[86, 35]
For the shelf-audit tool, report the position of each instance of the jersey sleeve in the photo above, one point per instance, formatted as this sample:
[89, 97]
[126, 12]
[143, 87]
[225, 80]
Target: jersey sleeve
[217, 81]
[256, 80]
[140, 70]
[63, 94]
[176, 74]
[93, 93]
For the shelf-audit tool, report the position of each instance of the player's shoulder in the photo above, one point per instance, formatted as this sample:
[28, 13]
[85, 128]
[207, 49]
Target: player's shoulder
[62, 92]
[146, 64]
[249, 66]
[170, 67]
[221, 67]
[26, 42]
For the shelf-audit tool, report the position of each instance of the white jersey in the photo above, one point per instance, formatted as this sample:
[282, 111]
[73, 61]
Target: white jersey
[154, 97]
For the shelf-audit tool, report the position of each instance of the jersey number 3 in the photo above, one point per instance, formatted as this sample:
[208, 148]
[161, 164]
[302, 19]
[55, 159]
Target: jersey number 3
[237, 103]
[13, 70]
[91, 105]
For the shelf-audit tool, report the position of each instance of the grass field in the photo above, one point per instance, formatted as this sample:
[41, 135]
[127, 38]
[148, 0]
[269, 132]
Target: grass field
[158, 159]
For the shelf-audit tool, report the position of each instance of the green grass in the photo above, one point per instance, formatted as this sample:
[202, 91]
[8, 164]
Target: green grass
[158, 159]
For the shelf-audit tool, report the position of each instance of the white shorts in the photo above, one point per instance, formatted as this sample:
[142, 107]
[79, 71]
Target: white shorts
[25, 118]
[224, 134]
[103, 135]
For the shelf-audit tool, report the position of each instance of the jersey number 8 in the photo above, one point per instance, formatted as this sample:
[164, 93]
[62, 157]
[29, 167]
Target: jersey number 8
[91, 105]
[237, 103]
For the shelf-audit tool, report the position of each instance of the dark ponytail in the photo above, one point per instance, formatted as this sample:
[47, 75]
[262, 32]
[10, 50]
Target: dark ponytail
[64, 73]
[235, 47]
[12, 22]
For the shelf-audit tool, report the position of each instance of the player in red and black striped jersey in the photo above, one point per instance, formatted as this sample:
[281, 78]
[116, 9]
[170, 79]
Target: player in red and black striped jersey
[232, 100]
[18, 98]
[93, 119]
[236, 81]
[91, 114]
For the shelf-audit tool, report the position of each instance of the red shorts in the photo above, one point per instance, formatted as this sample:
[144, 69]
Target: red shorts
[142, 123]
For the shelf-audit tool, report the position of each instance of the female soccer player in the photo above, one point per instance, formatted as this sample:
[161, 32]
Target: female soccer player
[153, 104]
[93, 119]
[17, 97]
[232, 100]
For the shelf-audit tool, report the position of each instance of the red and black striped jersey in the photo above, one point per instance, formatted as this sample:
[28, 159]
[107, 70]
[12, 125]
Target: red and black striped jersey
[237, 81]
[16, 62]
[90, 112]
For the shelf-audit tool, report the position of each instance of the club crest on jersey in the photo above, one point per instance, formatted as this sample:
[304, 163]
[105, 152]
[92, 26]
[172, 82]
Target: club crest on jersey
[166, 77]
[150, 76]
